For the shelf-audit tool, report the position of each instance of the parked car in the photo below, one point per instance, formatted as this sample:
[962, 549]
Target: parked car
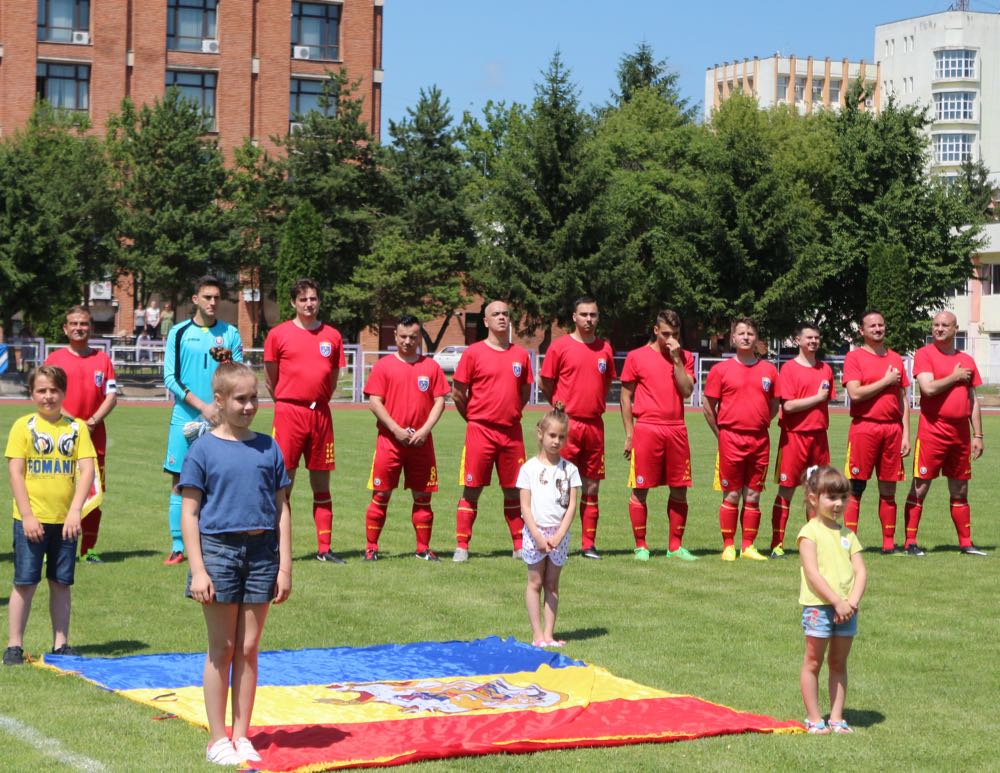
[448, 357]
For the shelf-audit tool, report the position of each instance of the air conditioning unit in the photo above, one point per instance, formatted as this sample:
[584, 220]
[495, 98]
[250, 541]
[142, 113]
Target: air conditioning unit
[81, 38]
[300, 52]
[100, 291]
[294, 126]
[210, 46]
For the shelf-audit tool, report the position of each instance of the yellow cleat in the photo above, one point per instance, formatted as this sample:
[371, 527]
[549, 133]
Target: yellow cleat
[752, 554]
[729, 553]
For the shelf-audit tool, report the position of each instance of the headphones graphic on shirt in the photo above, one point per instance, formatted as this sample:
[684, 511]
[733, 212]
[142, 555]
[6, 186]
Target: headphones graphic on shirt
[43, 443]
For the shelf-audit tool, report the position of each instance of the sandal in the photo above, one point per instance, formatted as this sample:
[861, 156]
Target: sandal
[539, 643]
[817, 728]
[556, 643]
[840, 727]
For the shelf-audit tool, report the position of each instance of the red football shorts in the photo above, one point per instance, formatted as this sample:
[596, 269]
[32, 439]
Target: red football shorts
[585, 447]
[300, 430]
[486, 445]
[660, 456]
[742, 460]
[943, 447]
[875, 446]
[392, 457]
[797, 452]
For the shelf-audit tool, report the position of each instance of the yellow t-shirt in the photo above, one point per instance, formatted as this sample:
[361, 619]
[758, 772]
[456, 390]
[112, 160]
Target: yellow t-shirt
[834, 548]
[50, 451]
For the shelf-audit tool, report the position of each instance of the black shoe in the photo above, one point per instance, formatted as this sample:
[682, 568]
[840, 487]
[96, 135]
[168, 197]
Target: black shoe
[330, 557]
[66, 650]
[915, 550]
[895, 550]
[591, 552]
[371, 554]
[13, 656]
[972, 550]
[427, 555]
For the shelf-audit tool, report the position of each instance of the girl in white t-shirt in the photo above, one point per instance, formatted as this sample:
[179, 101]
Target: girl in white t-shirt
[550, 489]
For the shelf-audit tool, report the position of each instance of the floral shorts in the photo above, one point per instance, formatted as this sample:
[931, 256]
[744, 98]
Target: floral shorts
[532, 555]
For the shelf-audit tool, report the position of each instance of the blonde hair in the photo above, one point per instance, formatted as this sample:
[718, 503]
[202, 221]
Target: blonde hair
[228, 375]
[558, 413]
[827, 480]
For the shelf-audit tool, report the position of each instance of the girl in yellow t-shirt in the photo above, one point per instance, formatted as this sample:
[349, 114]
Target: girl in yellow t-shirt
[833, 582]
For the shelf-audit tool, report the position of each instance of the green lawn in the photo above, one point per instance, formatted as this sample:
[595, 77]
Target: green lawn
[923, 688]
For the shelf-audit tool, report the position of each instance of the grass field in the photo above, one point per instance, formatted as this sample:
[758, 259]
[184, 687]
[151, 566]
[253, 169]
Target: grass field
[923, 680]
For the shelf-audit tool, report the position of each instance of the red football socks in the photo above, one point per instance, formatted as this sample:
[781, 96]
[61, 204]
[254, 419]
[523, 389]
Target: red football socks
[961, 516]
[751, 523]
[728, 517]
[89, 527]
[637, 514]
[887, 517]
[851, 512]
[375, 520]
[512, 513]
[914, 507]
[779, 520]
[677, 515]
[422, 518]
[323, 517]
[465, 516]
[588, 518]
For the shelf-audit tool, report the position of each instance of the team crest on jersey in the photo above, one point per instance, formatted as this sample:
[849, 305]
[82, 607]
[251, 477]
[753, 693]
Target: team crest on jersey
[923, 470]
[602, 366]
[98, 379]
[725, 483]
[219, 341]
[423, 383]
[784, 477]
[517, 369]
[855, 471]
[377, 481]
[325, 348]
[640, 479]
[845, 543]
[468, 477]
[766, 383]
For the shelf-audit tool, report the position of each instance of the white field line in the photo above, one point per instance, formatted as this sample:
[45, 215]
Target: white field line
[50, 747]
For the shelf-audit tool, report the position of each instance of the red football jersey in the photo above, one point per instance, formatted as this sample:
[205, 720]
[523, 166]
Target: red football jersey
[407, 389]
[954, 403]
[306, 359]
[656, 399]
[797, 381]
[495, 379]
[582, 373]
[88, 380]
[745, 393]
[866, 367]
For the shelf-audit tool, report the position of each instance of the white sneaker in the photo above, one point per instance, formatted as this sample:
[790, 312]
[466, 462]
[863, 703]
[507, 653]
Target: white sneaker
[222, 752]
[246, 751]
[460, 555]
[516, 555]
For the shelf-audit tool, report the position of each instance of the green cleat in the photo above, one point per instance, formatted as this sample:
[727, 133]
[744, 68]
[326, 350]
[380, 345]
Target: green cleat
[641, 554]
[728, 553]
[752, 554]
[682, 553]
[778, 552]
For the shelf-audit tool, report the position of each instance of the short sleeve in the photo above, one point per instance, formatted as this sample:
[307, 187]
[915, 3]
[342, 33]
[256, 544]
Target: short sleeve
[806, 533]
[829, 380]
[630, 371]
[110, 381]
[922, 363]
[280, 472]
[466, 367]
[773, 389]
[193, 473]
[524, 477]
[610, 373]
[236, 344]
[976, 378]
[441, 387]
[689, 363]
[713, 384]
[904, 380]
[341, 358]
[550, 363]
[851, 370]
[574, 476]
[529, 374]
[855, 542]
[271, 346]
[17, 441]
[84, 445]
[376, 381]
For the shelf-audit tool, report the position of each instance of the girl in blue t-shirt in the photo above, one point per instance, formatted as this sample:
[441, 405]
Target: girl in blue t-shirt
[237, 534]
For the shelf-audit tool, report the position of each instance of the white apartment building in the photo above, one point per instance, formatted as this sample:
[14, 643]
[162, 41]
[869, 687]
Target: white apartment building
[978, 308]
[950, 63]
[805, 82]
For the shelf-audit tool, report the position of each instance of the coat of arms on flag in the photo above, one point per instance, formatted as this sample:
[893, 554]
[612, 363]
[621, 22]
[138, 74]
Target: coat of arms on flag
[323, 709]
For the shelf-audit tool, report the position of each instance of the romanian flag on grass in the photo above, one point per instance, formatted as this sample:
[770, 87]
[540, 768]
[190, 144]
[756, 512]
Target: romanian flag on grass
[321, 709]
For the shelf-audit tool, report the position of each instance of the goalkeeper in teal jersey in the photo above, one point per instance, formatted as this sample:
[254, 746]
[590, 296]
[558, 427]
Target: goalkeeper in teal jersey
[193, 351]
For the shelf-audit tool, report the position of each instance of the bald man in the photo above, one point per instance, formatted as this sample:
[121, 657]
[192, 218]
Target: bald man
[492, 384]
[950, 432]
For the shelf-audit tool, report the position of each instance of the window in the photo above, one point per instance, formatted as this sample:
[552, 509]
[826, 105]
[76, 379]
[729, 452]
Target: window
[198, 87]
[782, 89]
[304, 97]
[834, 92]
[817, 92]
[956, 63]
[954, 106]
[59, 19]
[953, 148]
[800, 89]
[189, 22]
[316, 26]
[64, 86]
[989, 275]
[961, 339]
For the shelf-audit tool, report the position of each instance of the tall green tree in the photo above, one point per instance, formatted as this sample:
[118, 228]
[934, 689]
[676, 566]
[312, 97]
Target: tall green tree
[642, 70]
[300, 253]
[889, 291]
[174, 220]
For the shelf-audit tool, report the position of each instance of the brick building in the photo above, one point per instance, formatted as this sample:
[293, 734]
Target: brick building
[251, 64]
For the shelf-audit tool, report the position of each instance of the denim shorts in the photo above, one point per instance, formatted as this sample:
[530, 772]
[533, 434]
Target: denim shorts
[243, 567]
[818, 623]
[60, 555]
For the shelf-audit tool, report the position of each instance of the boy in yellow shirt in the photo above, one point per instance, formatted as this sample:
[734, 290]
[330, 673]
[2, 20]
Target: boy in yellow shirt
[50, 459]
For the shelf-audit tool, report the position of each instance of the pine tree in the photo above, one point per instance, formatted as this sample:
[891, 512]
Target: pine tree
[300, 254]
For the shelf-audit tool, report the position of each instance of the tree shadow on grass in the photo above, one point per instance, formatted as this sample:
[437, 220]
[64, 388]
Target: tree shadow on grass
[113, 648]
[863, 717]
[579, 634]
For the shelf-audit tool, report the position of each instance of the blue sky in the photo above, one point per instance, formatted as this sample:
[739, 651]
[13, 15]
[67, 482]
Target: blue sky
[476, 50]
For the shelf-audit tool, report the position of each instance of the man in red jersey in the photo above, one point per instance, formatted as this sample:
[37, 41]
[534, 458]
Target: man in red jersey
[805, 389]
[406, 393]
[577, 371]
[948, 406]
[91, 394]
[656, 380]
[875, 379]
[740, 403]
[492, 384]
[302, 360]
